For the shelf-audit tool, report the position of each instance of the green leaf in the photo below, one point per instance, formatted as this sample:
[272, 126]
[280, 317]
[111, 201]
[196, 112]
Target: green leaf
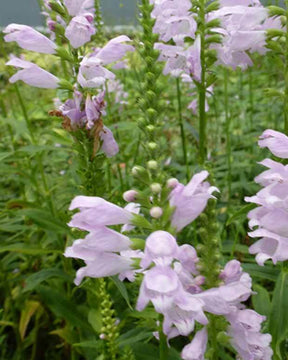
[261, 300]
[278, 324]
[151, 352]
[34, 280]
[93, 344]
[45, 220]
[95, 319]
[26, 314]
[267, 273]
[133, 336]
[243, 211]
[25, 249]
[4, 155]
[62, 307]
[122, 289]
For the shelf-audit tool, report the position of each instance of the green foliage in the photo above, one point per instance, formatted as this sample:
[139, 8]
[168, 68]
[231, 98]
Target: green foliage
[41, 308]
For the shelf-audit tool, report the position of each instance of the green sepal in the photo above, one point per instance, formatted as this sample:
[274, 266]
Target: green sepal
[141, 222]
[276, 11]
[213, 6]
[64, 54]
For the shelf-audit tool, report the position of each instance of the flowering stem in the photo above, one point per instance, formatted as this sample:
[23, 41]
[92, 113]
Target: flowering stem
[98, 22]
[251, 99]
[163, 343]
[228, 137]
[25, 114]
[181, 125]
[202, 86]
[286, 74]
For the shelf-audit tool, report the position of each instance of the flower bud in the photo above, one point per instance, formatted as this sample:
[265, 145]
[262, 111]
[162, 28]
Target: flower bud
[150, 128]
[151, 113]
[172, 183]
[130, 195]
[223, 338]
[156, 188]
[152, 146]
[137, 170]
[102, 336]
[140, 173]
[66, 85]
[152, 165]
[156, 212]
[57, 8]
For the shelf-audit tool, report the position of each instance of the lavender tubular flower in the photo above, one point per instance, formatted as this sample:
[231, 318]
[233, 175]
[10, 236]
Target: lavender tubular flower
[94, 108]
[196, 349]
[271, 215]
[32, 74]
[80, 30]
[95, 212]
[92, 74]
[29, 39]
[246, 337]
[105, 251]
[276, 142]
[109, 144]
[72, 109]
[114, 50]
[105, 264]
[75, 7]
[190, 200]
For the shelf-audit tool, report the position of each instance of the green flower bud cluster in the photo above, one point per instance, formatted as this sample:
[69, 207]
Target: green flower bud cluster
[128, 354]
[208, 249]
[109, 330]
[149, 102]
[99, 36]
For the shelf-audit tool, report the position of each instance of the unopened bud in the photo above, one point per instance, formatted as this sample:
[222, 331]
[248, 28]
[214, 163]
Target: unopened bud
[140, 173]
[172, 183]
[130, 195]
[156, 212]
[102, 336]
[156, 188]
[152, 146]
[66, 85]
[152, 165]
[137, 170]
[150, 128]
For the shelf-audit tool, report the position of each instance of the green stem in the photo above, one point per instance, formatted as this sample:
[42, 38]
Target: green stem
[202, 86]
[163, 343]
[98, 23]
[251, 98]
[25, 114]
[286, 74]
[228, 137]
[181, 125]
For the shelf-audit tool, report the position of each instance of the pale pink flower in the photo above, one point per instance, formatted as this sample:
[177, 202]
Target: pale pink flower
[197, 348]
[79, 30]
[29, 39]
[32, 74]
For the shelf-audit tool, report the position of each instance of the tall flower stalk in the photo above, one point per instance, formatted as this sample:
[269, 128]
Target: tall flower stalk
[202, 86]
[286, 72]
[182, 130]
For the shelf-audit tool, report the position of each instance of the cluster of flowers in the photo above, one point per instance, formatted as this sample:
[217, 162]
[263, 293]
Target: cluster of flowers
[171, 278]
[243, 30]
[271, 216]
[80, 27]
[243, 26]
[87, 106]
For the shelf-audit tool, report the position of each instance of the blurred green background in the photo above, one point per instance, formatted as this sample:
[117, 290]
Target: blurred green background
[115, 12]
